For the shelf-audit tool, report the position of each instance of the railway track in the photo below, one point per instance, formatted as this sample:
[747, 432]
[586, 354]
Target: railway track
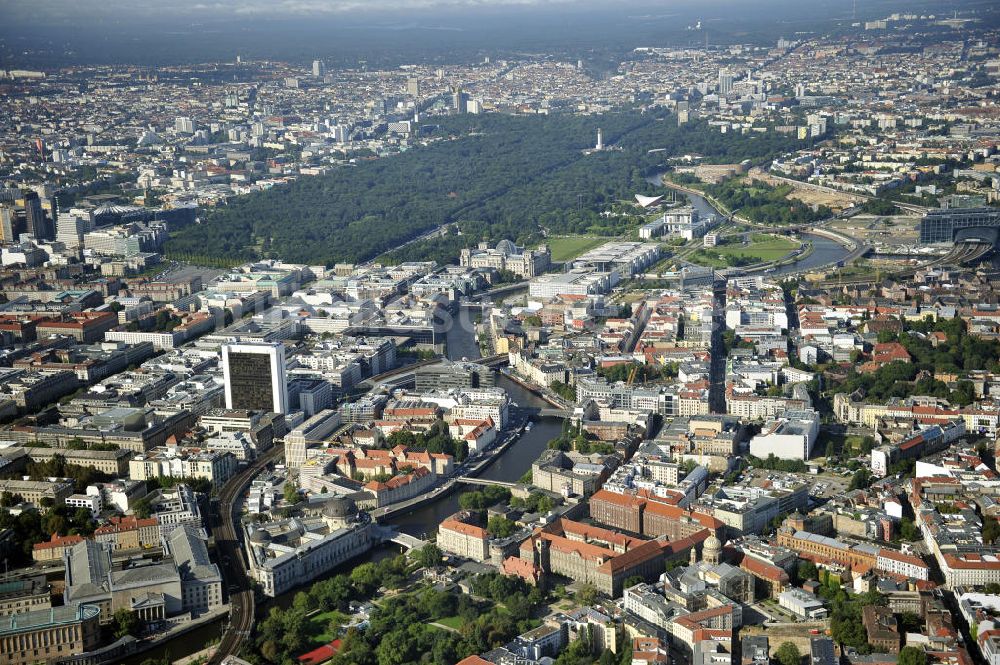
[960, 254]
[234, 570]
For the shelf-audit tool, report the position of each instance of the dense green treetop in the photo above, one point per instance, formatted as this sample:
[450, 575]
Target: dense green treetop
[491, 176]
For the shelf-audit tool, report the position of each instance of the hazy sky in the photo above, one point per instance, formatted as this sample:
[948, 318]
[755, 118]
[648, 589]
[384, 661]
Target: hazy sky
[126, 11]
[53, 33]
[250, 7]
[35, 9]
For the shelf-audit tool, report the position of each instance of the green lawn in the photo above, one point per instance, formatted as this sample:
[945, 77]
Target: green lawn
[569, 247]
[452, 622]
[762, 247]
[320, 626]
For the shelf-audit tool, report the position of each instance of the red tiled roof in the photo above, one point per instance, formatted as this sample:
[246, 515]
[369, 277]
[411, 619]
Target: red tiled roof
[320, 655]
[903, 558]
[617, 499]
[127, 523]
[518, 567]
[463, 528]
[970, 560]
[58, 541]
[636, 555]
[764, 570]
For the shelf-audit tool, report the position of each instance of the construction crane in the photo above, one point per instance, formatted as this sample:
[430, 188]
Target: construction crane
[631, 375]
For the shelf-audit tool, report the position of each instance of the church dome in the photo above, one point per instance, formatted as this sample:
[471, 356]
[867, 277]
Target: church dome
[340, 508]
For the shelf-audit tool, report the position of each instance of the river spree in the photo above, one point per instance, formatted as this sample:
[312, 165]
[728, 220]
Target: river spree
[825, 251]
[423, 521]
[461, 336]
[510, 466]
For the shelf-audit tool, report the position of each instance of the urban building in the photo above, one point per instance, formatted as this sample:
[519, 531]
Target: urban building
[638, 513]
[24, 595]
[255, 377]
[53, 549]
[72, 225]
[34, 491]
[450, 374]
[600, 557]
[945, 224]
[526, 263]
[726, 79]
[176, 462]
[310, 433]
[49, 635]
[571, 473]
[802, 604]
[462, 536]
[580, 282]
[622, 260]
[790, 436]
[201, 581]
[38, 225]
[129, 533]
[288, 553]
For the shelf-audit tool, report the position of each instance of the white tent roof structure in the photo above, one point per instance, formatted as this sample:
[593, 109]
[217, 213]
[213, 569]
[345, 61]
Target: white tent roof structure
[646, 201]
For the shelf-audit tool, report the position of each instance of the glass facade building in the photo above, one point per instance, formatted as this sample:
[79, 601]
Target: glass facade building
[940, 225]
[255, 377]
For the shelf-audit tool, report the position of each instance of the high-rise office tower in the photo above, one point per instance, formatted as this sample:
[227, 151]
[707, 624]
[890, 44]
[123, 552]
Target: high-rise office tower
[413, 86]
[72, 225]
[725, 82]
[255, 377]
[319, 69]
[184, 125]
[38, 225]
[458, 100]
[11, 224]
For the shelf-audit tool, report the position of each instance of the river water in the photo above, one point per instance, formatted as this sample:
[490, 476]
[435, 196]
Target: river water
[512, 464]
[825, 251]
[461, 336]
[423, 521]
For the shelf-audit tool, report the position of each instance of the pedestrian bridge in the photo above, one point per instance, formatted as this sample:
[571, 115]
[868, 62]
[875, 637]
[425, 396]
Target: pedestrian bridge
[390, 534]
[486, 481]
[557, 413]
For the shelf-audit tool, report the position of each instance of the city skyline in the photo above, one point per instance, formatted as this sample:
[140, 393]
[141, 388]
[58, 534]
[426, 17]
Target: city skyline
[500, 332]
